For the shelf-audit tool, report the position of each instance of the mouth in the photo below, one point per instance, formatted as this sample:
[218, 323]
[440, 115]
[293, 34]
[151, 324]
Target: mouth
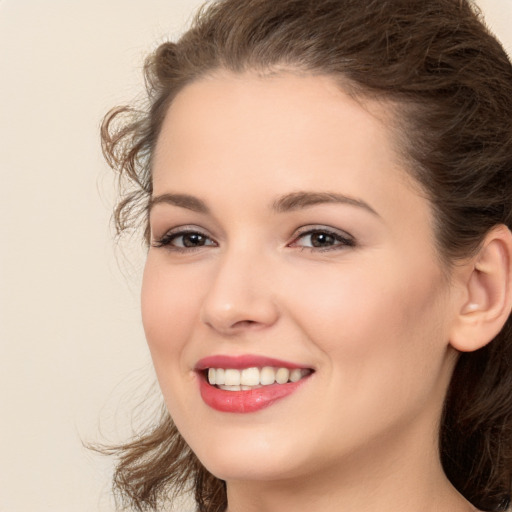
[247, 383]
[232, 379]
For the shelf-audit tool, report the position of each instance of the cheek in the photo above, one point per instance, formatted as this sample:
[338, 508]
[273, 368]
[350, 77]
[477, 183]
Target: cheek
[381, 338]
[169, 303]
[375, 318]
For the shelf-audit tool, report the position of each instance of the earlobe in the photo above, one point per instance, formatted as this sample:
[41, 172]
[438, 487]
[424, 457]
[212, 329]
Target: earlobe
[488, 293]
[471, 306]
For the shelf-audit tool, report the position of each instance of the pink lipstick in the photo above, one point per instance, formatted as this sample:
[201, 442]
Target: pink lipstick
[247, 383]
[243, 361]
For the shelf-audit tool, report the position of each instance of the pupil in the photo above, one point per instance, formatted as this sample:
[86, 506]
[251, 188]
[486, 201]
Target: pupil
[321, 239]
[193, 240]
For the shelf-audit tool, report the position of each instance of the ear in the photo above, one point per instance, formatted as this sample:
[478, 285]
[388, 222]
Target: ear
[487, 297]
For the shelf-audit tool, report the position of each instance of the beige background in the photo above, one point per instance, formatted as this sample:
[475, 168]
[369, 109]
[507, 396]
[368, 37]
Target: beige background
[72, 353]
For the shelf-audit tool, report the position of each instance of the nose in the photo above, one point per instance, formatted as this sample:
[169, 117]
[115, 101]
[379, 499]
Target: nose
[240, 296]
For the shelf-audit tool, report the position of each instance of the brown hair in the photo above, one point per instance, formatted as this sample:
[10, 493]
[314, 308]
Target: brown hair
[450, 82]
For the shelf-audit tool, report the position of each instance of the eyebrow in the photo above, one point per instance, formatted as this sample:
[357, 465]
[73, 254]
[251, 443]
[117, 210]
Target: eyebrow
[182, 200]
[288, 202]
[299, 200]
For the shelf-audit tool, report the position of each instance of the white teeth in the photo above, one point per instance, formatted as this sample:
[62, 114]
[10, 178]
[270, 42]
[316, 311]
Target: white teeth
[232, 377]
[296, 374]
[267, 376]
[282, 375]
[220, 375]
[230, 388]
[249, 378]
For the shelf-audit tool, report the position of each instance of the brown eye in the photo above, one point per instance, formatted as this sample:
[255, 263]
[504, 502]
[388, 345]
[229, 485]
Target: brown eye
[183, 240]
[323, 239]
[191, 240]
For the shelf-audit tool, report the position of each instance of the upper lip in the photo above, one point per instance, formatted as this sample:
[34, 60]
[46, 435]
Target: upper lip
[244, 361]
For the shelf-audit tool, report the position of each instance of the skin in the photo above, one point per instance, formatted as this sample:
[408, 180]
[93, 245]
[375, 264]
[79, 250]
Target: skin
[373, 317]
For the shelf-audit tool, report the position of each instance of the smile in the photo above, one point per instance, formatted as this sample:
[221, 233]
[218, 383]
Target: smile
[231, 379]
[245, 384]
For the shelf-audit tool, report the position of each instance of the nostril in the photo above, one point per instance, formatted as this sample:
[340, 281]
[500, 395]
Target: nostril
[246, 324]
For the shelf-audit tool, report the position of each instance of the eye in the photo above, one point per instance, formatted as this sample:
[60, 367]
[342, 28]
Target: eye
[183, 240]
[322, 239]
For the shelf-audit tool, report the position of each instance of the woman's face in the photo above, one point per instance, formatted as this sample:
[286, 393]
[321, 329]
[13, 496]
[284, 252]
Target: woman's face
[285, 233]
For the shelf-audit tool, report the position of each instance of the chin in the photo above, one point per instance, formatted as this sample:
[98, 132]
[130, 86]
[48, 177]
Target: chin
[236, 455]
[256, 468]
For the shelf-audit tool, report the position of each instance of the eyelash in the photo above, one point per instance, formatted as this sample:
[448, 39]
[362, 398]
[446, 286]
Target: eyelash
[342, 240]
[171, 236]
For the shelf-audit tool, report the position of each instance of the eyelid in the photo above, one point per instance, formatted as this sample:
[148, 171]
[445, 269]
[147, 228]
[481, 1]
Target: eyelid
[165, 239]
[343, 238]
[322, 227]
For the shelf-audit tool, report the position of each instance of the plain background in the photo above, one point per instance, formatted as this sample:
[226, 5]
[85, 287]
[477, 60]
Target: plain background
[73, 360]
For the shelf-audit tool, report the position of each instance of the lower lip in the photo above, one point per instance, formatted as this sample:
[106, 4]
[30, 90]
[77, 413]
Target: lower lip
[251, 400]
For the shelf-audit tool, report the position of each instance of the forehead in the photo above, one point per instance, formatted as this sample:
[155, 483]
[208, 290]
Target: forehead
[278, 133]
[254, 109]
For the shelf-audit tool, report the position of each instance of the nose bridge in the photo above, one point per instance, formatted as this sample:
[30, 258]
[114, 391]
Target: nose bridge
[240, 293]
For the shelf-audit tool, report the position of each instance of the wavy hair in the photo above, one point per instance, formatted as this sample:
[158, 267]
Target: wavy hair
[450, 83]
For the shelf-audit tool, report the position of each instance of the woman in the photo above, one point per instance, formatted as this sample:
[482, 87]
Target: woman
[326, 192]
